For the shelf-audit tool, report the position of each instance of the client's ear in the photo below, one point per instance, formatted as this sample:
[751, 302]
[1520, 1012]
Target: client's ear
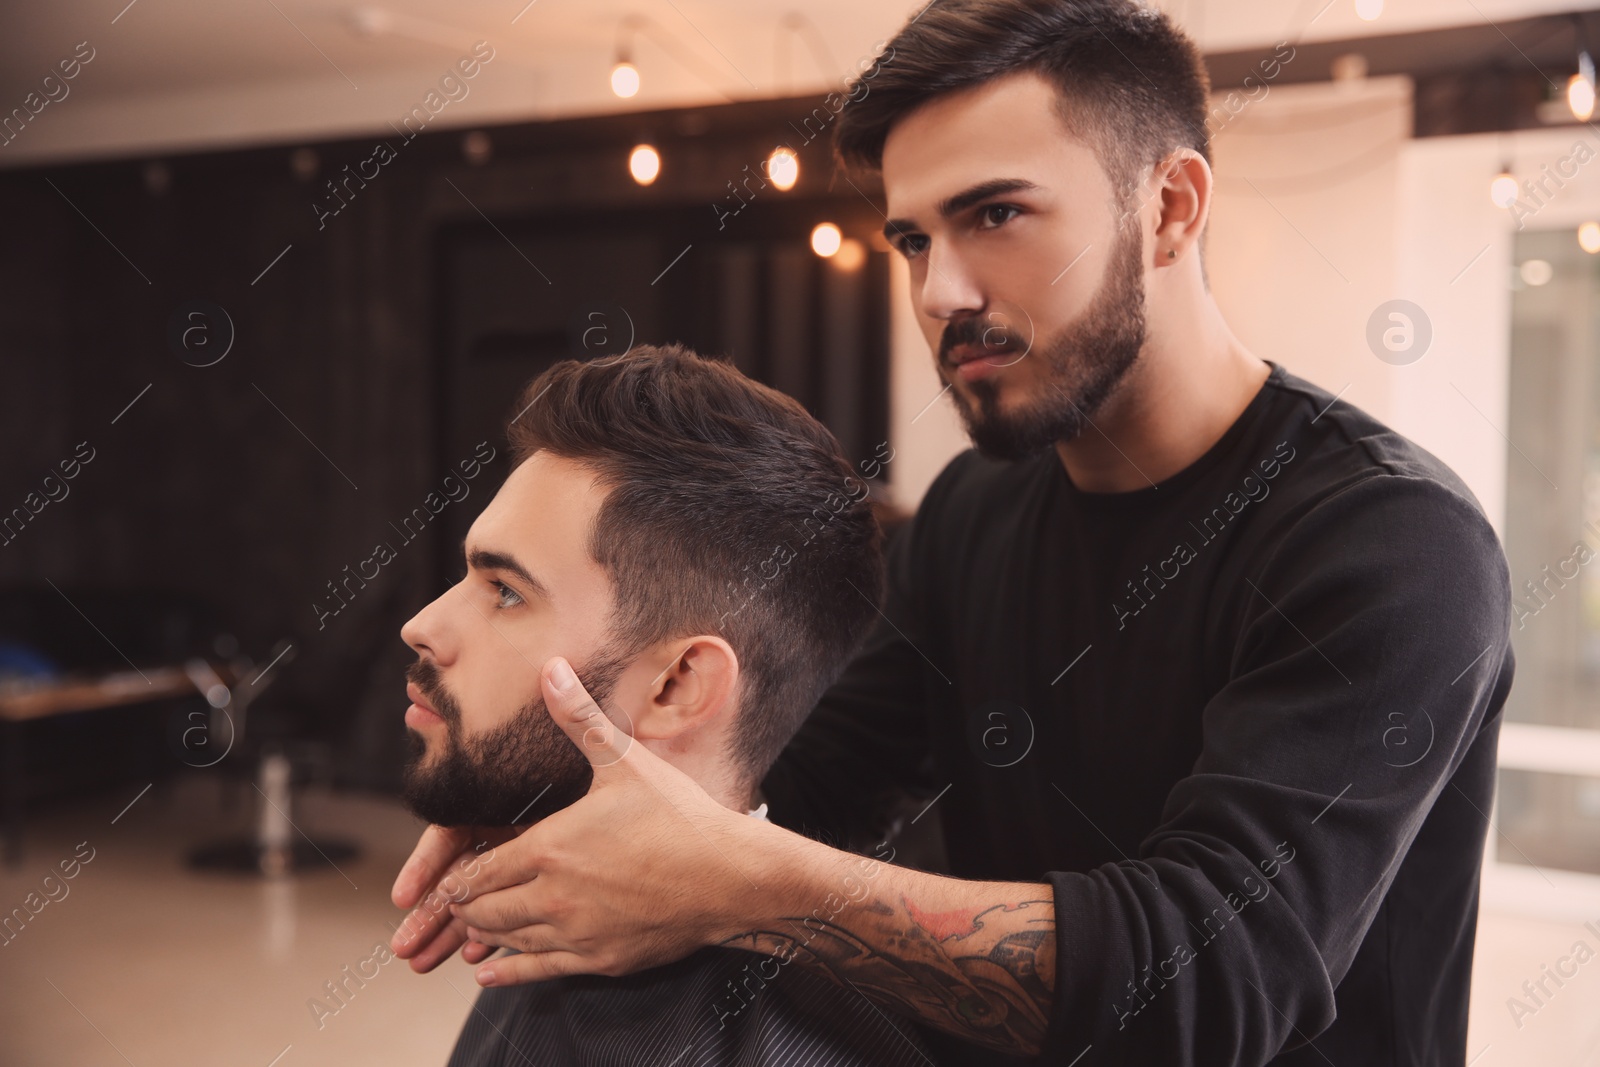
[695, 685]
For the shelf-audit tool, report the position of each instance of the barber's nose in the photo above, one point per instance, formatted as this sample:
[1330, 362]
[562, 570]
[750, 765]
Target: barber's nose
[948, 289]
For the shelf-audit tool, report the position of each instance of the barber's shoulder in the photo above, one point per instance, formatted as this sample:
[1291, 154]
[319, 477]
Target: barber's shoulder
[1332, 446]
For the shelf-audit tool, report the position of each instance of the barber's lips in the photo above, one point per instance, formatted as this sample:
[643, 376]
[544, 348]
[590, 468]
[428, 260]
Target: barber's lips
[971, 363]
[420, 714]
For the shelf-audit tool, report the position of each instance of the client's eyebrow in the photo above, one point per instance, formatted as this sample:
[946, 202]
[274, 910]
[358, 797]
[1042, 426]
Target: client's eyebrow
[485, 559]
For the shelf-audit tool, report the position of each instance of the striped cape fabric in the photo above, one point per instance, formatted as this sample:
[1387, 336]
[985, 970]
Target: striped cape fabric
[715, 1008]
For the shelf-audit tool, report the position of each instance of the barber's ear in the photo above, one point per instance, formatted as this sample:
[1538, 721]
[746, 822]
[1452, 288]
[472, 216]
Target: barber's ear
[695, 684]
[1183, 184]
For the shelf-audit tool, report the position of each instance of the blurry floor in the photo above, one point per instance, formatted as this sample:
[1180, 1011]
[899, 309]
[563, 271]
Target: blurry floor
[143, 962]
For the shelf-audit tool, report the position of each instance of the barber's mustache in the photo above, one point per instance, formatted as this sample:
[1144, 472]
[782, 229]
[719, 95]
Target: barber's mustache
[992, 337]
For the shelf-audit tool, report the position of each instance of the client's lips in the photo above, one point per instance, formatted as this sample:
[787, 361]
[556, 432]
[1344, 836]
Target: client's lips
[420, 713]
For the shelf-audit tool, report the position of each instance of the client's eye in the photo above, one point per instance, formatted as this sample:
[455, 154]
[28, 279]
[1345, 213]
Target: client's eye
[506, 591]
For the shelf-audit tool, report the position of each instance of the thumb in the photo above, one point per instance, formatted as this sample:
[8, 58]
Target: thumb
[585, 722]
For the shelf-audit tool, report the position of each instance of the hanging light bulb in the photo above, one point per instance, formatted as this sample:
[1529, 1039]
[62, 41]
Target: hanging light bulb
[644, 163]
[852, 253]
[1589, 237]
[826, 239]
[1580, 89]
[1503, 190]
[1369, 10]
[1536, 272]
[624, 79]
[1580, 97]
[783, 168]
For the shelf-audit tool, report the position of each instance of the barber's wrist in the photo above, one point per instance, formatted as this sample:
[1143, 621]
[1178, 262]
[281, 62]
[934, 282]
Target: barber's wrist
[787, 876]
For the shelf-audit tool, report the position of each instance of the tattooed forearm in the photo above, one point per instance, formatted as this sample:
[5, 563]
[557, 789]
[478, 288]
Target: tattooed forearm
[984, 972]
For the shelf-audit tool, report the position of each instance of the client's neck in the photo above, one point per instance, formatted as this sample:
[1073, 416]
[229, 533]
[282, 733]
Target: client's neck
[727, 785]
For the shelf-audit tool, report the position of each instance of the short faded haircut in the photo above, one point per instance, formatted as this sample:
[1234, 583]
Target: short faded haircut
[729, 510]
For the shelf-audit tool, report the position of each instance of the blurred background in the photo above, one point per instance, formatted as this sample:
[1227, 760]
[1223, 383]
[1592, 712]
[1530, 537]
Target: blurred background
[273, 273]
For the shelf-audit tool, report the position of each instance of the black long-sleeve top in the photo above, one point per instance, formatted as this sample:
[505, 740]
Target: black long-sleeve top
[1243, 722]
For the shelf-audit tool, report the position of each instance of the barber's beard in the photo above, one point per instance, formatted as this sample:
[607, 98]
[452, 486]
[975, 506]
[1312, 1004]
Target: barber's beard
[1082, 366]
[494, 778]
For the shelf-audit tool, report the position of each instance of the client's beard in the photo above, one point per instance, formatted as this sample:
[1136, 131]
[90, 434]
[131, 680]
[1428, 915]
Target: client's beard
[1083, 365]
[494, 778]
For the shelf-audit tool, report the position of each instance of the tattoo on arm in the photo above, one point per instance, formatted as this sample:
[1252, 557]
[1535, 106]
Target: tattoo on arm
[983, 973]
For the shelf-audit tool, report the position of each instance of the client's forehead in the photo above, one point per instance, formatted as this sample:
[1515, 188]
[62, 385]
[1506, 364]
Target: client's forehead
[542, 518]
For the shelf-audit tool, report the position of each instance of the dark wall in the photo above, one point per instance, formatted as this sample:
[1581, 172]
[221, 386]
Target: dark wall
[368, 361]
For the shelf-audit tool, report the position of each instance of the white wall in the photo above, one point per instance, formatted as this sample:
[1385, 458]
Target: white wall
[1302, 230]
[1453, 252]
[923, 424]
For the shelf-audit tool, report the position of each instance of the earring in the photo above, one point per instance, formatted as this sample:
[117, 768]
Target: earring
[1172, 253]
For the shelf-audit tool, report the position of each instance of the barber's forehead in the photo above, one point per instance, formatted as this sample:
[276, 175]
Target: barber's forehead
[956, 141]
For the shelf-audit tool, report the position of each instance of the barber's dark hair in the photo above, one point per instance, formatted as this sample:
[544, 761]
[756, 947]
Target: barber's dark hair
[729, 510]
[1130, 83]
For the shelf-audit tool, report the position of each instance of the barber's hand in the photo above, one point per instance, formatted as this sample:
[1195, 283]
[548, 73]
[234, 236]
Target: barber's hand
[438, 872]
[642, 871]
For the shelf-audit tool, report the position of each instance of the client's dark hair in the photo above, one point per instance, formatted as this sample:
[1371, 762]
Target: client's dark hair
[730, 511]
[1129, 82]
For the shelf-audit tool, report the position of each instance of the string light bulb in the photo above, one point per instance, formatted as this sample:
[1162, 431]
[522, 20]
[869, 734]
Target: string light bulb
[783, 168]
[624, 79]
[852, 253]
[1589, 237]
[1581, 89]
[1503, 189]
[644, 163]
[826, 239]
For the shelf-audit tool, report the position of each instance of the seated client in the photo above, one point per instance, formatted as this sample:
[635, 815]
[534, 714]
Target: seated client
[695, 544]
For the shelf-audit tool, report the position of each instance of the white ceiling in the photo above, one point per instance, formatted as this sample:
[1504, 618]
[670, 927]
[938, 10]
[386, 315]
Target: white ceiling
[181, 75]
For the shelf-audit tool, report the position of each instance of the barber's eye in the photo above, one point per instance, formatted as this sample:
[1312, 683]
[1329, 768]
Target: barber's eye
[998, 215]
[911, 245]
[506, 591]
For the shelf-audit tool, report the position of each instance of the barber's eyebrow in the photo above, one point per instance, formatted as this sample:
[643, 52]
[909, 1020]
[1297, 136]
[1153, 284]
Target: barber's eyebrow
[959, 202]
[485, 559]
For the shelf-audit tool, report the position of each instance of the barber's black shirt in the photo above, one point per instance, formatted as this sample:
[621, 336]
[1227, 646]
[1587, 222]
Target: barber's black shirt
[1243, 722]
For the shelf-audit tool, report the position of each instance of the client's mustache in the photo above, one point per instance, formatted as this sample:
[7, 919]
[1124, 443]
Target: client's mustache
[424, 674]
[993, 338]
